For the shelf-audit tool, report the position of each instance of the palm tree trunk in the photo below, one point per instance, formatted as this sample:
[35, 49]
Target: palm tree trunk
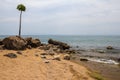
[20, 24]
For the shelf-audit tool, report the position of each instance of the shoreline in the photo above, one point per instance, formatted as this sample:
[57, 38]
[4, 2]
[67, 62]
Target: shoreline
[108, 71]
[54, 49]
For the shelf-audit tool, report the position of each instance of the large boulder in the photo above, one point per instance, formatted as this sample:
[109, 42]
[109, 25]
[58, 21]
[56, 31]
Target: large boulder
[14, 43]
[61, 44]
[33, 42]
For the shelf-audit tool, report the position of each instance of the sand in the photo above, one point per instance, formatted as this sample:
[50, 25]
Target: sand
[28, 66]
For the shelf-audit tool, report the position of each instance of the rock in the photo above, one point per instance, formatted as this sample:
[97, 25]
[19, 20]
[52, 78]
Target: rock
[43, 56]
[1, 47]
[101, 51]
[109, 48]
[71, 51]
[57, 57]
[1, 43]
[61, 44]
[51, 52]
[66, 57]
[14, 43]
[29, 47]
[33, 42]
[83, 59]
[11, 55]
[36, 54]
[118, 60]
[46, 61]
[19, 52]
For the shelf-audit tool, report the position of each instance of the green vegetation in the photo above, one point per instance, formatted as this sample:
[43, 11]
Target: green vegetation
[96, 76]
[21, 8]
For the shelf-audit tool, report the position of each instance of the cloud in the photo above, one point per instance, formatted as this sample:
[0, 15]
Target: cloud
[70, 15]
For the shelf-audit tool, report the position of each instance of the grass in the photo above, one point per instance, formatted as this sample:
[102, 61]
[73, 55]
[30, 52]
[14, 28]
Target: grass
[96, 76]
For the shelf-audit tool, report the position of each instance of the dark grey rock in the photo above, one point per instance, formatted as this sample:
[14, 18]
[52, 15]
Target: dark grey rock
[118, 60]
[61, 44]
[83, 59]
[33, 42]
[43, 54]
[1, 43]
[19, 52]
[11, 55]
[109, 47]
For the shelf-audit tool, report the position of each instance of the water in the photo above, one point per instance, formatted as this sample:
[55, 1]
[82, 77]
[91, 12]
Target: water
[85, 42]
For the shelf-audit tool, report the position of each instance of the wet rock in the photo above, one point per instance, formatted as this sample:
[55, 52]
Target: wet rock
[33, 42]
[109, 48]
[14, 43]
[57, 57]
[61, 44]
[66, 57]
[11, 55]
[83, 59]
[19, 52]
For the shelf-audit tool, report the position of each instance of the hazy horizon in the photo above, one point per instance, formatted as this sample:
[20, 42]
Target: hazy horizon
[61, 17]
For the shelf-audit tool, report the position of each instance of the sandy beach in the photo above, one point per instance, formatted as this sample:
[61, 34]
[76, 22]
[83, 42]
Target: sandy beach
[30, 66]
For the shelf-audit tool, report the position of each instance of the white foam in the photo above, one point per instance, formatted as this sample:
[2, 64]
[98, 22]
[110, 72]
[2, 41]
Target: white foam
[107, 61]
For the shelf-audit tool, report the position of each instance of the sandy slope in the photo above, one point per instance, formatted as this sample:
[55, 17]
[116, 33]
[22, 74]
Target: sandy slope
[30, 67]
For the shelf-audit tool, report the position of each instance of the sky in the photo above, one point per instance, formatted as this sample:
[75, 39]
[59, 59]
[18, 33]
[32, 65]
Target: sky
[61, 17]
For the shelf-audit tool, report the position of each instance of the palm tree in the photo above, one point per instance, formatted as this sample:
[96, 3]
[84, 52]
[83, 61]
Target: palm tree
[21, 8]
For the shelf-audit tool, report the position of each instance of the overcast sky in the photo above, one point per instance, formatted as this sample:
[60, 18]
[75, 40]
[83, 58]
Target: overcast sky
[61, 17]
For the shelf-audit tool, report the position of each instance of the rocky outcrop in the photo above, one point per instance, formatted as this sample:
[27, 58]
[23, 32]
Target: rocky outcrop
[33, 42]
[14, 43]
[60, 44]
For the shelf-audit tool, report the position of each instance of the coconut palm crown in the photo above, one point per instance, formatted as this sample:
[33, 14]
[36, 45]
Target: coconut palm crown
[21, 8]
